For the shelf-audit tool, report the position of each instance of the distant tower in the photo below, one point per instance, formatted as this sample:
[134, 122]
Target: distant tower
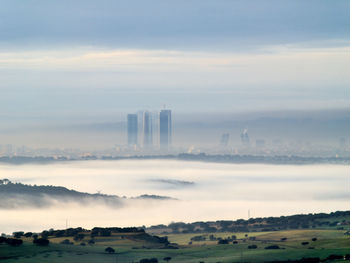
[165, 129]
[224, 139]
[245, 137]
[132, 129]
[147, 130]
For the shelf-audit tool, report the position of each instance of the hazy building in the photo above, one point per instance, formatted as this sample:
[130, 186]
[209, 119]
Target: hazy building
[245, 137]
[147, 129]
[132, 129]
[165, 129]
[260, 143]
[224, 139]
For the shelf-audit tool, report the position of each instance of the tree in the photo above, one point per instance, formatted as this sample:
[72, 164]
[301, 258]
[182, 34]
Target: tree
[14, 242]
[28, 234]
[151, 260]
[79, 237]
[223, 242]
[272, 247]
[109, 250]
[18, 234]
[45, 234]
[41, 242]
[167, 259]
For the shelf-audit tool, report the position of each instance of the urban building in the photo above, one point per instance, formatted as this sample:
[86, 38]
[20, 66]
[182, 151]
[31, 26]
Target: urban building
[165, 129]
[132, 129]
[245, 137]
[147, 130]
[224, 139]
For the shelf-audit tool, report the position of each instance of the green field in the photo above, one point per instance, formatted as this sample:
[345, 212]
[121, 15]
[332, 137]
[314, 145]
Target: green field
[132, 250]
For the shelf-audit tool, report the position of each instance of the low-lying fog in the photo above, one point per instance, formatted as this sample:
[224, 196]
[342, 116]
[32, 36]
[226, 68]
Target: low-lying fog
[205, 191]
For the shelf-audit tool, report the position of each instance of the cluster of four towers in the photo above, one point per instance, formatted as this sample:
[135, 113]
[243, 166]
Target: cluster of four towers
[143, 128]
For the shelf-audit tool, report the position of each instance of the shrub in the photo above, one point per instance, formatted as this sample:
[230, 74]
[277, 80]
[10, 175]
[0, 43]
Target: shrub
[334, 257]
[28, 234]
[272, 247]
[109, 250]
[41, 242]
[18, 234]
[151, 260]
[14, 242]
[252, 247]
[66, 242]
[223, 242]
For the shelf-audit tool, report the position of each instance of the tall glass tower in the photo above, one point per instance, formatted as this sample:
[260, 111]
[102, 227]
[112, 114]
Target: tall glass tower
[165, 129]
[132, 129]
[147, 130]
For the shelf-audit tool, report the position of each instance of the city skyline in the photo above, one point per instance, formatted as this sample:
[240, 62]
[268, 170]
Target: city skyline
[149, 130]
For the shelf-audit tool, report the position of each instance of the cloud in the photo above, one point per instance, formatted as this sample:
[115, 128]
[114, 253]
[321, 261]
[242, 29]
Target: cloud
[171, 183]
[171, 24]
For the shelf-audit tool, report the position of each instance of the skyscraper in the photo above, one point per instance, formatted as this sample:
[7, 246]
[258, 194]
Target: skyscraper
[165, 128]
[147, 130]
[132, 129]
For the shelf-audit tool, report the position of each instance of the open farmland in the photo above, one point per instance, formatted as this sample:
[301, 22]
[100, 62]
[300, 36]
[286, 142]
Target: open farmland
[132, 247]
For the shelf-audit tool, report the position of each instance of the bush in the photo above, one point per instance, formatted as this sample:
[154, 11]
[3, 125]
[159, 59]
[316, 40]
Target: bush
[334, 257]
[310, 260]
[18, 234]
[198, 238]
[314, 239]
[151, 260]
[79, 237]
[223, 242]
[109, 250]
[66, 242]
[44, 234]
[272, 247]
[304, 243]
[252, 247]
[28, 234]
[41, 242]
[14, 242]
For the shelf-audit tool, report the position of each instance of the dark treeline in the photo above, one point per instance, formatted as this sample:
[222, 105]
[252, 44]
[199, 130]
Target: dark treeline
[81, 234]
[8, 187]
[17, 195]
[303, 221]
[218, 158]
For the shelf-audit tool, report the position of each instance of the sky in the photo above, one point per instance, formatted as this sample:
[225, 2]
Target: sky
[67, 59]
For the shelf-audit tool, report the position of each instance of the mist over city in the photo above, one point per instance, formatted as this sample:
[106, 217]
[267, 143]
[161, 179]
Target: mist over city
[175, 131]
[303, 133]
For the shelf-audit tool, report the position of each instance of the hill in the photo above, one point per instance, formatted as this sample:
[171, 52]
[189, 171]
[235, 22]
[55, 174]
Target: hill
[18, 195]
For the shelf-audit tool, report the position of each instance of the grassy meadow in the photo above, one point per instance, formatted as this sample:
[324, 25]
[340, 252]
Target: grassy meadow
[129, 249]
